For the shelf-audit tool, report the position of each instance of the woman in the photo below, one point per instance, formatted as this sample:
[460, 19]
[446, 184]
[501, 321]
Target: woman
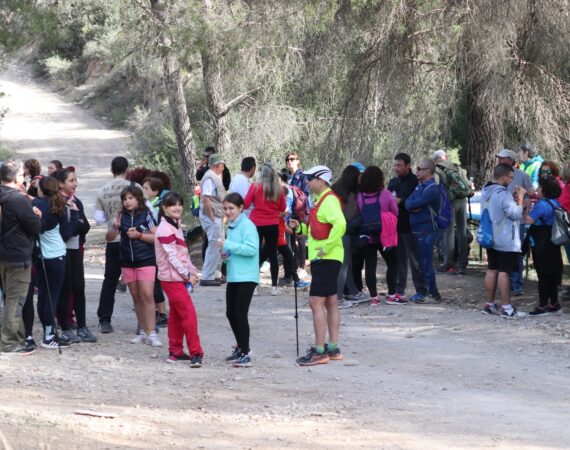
[57, 228]
[138, 263]
[550, 168]
[269, 206]
[374, 199]
[73, 289]
[33, 170]
[564, 198]
[346, 187]
[546, 256]
[240, 250]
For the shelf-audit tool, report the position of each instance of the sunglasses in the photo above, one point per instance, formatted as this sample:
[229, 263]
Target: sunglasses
[421, 168]
[546, 171]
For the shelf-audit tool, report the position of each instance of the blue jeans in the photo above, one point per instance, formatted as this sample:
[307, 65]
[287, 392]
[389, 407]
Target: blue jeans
[425, 243]
[517, 277]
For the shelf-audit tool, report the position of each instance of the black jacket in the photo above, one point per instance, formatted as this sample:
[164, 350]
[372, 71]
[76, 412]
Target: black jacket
[135, 252]
[403, 187]
[19, 227]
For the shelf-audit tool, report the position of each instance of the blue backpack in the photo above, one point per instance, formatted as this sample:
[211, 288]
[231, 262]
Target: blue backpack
[485, 229]
[370, 213]
[443, 215]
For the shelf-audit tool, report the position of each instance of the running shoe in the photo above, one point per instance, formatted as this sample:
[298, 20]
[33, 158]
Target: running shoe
[395, 299]
[21, 350]
[69, 336]
[152, 340]
[54, 343]
[312, 358]
[265, 267]
[139, 339]
[490, 309]
[196, 362]
[284, 282]
[275, 291]
[418, 298]
[374, 301]
[85, 335]
[360, 297]
[556, 309]
[538, 311]
[303, 285]
[173, 359]
[334, 355]
[302, 273]
[345, 304]
[106, 327]
[234, 356]
[30, 343]
[161, 320]
[243, 361]
[511, 313]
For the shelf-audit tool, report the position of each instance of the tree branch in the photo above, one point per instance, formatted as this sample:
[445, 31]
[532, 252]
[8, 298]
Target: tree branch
[237, 101]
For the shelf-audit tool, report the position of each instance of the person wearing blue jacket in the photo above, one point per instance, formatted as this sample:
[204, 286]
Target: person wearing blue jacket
[240, 251]
[57, 228]
[422, 205]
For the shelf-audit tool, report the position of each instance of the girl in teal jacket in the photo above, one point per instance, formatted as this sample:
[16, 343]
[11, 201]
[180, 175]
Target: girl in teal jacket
[240, 250]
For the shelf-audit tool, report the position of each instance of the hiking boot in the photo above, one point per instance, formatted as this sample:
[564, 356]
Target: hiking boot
[284, 282]
[303, 285]
[490, 309]
[106, 327]
[152, 340]
[538, 311]
[395, 299]
[139, 339]
[511, 313]
[54, 342]
[210, 283]
[556, 309]
[243, 361]
[418, 298]
[312, 358]
[85, 335]
[69, 336]
[161, 320]
[334, 355]
[196, 362]
[374, 301]
[173, 359]
[234, 356]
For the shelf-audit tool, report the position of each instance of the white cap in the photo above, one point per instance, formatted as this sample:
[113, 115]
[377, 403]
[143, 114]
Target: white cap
[439, 154]
[321, 172]
[506, 153]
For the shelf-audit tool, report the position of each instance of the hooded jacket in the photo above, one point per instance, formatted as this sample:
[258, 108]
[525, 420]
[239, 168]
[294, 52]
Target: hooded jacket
[19, 227]
[505, 215]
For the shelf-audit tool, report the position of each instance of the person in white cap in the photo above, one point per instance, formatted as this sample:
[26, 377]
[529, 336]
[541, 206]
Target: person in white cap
[326, 227]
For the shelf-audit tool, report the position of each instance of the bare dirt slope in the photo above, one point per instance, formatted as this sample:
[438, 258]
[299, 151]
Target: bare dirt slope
[417, 376]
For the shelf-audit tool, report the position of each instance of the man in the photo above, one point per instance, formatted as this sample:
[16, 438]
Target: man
[298, 179]
[530, 162]
[506, 214]
[326, 252]
[204, 166]
[520, 178]
[211, 216]
[107, 207]
[458, 188]
[422, 206]
[20, 224]
[242, 181]
[402, 186]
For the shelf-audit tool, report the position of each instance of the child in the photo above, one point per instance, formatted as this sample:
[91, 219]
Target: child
[138, 268]
[175, 270]
[241, 252]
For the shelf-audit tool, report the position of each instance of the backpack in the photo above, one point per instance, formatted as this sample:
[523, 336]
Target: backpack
[457, 185]
[299, 204]
[560, 226]
[443, 215]
[371, 216]
[485, 229]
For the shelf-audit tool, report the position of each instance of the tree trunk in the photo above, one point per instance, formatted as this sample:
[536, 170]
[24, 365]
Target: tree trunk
[485, 136]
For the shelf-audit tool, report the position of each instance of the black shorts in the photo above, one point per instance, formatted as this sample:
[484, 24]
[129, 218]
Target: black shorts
[324, 273]
[502, 261]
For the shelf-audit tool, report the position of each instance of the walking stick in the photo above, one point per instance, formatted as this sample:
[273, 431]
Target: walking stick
[49, 295]
[295, 289]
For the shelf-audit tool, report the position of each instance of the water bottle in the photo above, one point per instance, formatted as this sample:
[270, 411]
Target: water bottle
[189, 287]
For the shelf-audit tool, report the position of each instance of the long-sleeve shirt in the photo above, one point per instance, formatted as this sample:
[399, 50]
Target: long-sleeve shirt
[172, 257]
[264, 212]
[403, 187]
[424, 200]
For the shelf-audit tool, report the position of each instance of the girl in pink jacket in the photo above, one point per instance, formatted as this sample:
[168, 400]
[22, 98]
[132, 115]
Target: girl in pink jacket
[175, 272]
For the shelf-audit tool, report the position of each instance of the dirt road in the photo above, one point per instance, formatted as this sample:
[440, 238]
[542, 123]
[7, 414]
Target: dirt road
[414, 377]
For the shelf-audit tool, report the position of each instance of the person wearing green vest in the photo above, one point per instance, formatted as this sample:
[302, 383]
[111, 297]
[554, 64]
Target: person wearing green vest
[530, 162]
[326, 227]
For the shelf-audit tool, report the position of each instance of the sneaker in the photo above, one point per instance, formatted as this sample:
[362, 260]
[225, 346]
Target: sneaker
[243, 361]
[196, 361]
[106, 327]
[54, 342]
[173, 359]
[302, 273]
[234, 356]
[152, 340]
[222, 279]
[538, 311]
[256, 291]
[121, 287]
[334, 355]
[402, 296]
[284, 282]
[459, 271]
[85, 335]
[345, 304]
[30, 343]
[210, 283]
[312, 358]
[490, 309]
[437, 298]
[139, 339]
[301, 284]
[418, 298]
[444, 269]
[21, 350]
[374, 301]
[69, 336]
[360, 297]
[265, 267]
[395, 299]
[161, 320]
[275, 291]
[517, 293]
[511, 313]
[556, 309]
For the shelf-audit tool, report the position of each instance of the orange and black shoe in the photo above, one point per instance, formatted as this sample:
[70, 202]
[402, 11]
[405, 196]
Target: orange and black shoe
[334, 355]
[313, 357]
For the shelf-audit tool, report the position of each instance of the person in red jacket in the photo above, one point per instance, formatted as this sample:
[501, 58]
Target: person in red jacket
[269, 206]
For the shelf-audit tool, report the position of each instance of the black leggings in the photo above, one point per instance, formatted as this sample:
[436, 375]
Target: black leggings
[73, 284]
[55, 270]
[289, 263]
[28, 309]
[367, 257]
[238, 299]
[269, 249]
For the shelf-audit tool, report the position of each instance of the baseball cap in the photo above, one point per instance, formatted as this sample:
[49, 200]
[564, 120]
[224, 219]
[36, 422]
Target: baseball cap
[438, 154]
[506, 153]
[321, 172]
[359, 166]
[215, 159]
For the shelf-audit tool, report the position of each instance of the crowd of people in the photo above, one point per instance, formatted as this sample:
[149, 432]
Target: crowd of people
[340, 227]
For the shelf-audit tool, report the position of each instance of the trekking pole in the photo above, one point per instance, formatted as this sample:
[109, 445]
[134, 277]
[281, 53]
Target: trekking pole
[55, 333]
[295, 290]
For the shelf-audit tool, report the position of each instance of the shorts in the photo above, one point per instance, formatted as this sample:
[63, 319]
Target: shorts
[324, 274]
[502, 261]
[132, 274]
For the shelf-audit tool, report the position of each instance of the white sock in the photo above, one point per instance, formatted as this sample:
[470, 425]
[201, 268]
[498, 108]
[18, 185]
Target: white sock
[508, 307]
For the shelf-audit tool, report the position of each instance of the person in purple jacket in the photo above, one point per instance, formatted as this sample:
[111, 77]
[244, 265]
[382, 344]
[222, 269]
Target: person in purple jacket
[424, 200]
